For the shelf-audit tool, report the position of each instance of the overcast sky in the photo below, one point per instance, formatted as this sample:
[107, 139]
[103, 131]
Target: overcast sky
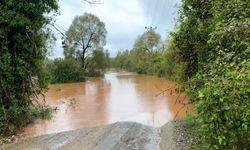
[124, 19]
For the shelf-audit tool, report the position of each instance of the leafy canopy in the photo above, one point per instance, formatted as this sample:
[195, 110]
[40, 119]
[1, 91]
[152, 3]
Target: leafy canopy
[213, 41]
[86, 33]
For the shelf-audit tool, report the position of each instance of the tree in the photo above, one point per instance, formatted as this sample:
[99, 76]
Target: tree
[213, 42]
[23, 39]
[145, 50]
[192, 42]
[86, 33]
[149, 41]
[122, 60]
[99, 60]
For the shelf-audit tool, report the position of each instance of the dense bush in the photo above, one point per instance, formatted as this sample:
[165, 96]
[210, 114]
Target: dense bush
[68, 70]
[65, 71]
[16, 116]
[122, 60]
[222, 104]
[214, 43]
[170, 65]
[23, 38]
[97, 63]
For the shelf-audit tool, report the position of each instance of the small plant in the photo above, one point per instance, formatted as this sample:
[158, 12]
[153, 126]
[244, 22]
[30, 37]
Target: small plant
[15, 117]
[72, 101]
[59, 88]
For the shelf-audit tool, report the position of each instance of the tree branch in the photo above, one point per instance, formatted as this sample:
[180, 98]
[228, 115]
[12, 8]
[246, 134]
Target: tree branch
[89, 40]
[58, 29]
[181, 102]
[93, 2]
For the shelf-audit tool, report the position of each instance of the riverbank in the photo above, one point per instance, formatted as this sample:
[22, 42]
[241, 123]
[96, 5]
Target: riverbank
[121, 135]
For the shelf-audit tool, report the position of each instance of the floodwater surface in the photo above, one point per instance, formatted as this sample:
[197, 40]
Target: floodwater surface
[118, 96]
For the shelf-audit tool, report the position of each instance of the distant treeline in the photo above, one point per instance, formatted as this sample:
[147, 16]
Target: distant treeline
[150, 55]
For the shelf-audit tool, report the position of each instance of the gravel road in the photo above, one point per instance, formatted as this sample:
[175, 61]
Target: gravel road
[117, 136]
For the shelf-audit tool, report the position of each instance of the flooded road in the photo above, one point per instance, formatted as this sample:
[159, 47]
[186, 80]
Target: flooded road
[118, 96]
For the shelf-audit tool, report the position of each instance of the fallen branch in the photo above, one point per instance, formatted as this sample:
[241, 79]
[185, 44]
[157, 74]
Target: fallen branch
[163, 91]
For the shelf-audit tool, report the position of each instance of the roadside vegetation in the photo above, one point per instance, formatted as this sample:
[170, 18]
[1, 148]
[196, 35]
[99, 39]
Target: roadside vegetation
[23, 48]
[209, 54]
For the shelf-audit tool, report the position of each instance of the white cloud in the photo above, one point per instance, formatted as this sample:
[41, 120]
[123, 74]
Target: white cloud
[124, 20]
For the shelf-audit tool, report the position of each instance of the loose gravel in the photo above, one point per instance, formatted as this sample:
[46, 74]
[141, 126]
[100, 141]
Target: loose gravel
[117, 136]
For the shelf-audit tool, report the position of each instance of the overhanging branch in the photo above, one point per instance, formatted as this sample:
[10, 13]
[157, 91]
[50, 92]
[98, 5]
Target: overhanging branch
[93, 2]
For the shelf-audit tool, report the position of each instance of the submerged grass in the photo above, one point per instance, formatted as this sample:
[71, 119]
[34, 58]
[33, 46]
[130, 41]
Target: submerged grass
[14, 118]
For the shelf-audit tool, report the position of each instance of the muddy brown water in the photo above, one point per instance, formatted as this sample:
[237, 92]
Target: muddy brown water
[118, 96]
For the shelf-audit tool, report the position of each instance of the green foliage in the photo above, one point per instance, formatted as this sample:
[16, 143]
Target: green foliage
[70, 69]
[16, 116]
[193, 33]
[23, 39]
[65, 71]
[84, 43]
[170, 65]
[145, 57]
[149, 41]
[223, 106]
[122, 60]
[146, 51]
[213, 41]
[98, 62]
[150, 57]
[86, 34]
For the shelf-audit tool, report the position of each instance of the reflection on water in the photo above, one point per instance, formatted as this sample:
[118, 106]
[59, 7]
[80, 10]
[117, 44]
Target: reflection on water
[118, 96]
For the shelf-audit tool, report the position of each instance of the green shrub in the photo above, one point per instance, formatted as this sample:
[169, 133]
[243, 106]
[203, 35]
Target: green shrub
[222, 104]
[16, 117]
[24, 34]
[65, 71]
[213, 39]
[94, 73]
[170, 65]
